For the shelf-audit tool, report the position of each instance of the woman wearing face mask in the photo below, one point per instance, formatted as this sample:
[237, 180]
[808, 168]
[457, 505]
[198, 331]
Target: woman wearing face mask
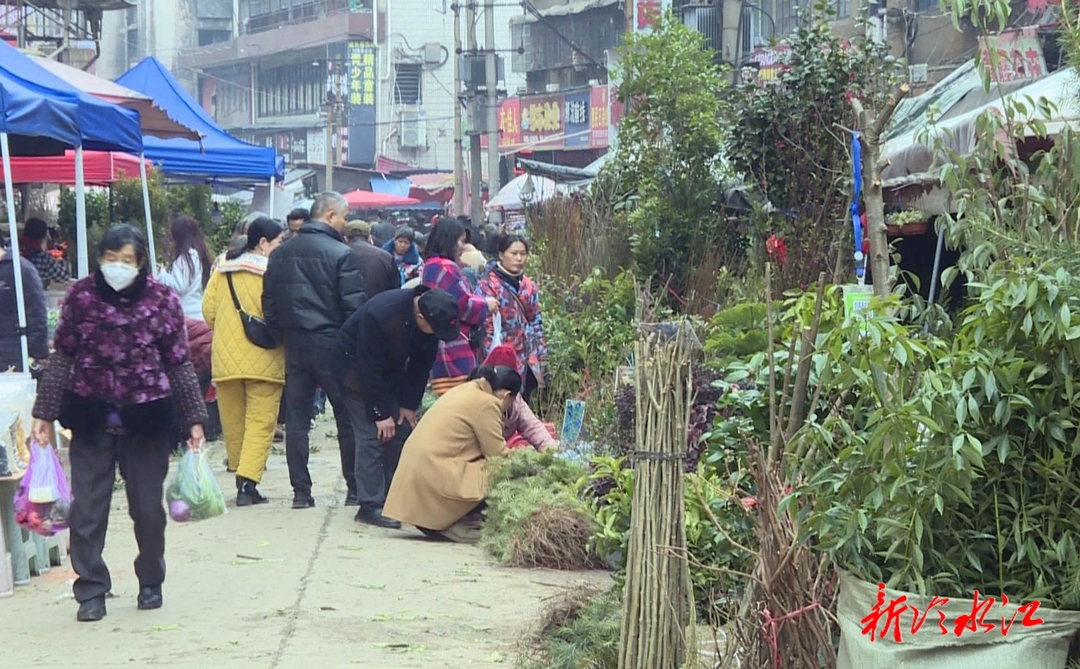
[441, 480]
[522, 325]
[456, 359]
[249, 378]
[121, 371]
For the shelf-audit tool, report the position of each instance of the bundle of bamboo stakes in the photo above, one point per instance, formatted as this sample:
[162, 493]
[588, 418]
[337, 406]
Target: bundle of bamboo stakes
[657, 603]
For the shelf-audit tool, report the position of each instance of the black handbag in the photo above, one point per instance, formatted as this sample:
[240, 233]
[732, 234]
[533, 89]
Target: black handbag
[256, 329]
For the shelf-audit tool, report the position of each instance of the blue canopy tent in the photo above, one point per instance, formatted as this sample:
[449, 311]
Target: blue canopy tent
[219, 155]
[42, 114]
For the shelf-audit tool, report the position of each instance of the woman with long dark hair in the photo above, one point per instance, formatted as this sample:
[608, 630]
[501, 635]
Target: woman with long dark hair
[521, 323]
[249, 378]
[441, 478]
[190, 268]
[456, 359]
[120, 374]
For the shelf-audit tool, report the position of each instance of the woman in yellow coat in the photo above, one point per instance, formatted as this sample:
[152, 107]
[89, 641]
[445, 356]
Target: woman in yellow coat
[441, 477]
[249, 379]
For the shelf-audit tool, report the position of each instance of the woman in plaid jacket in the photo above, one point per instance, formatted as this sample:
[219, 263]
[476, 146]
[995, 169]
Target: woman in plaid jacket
[456, 359]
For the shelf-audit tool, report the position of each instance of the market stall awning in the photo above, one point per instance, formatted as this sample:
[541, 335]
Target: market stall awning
[152, 119]
[100, 168]
[509, 196]
[911, 155]
[219, 155]
[390, 185]
[365, 199]
[36, 103]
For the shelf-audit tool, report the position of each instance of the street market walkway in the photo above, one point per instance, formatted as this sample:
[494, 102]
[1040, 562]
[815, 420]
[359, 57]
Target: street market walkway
[268, 587]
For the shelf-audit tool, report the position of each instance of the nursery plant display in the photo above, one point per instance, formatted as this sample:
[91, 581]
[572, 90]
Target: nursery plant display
[533, 517]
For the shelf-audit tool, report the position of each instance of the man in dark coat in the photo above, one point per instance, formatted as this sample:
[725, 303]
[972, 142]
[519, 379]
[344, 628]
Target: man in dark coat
[311, 286]
[385, 354]
[376, 265]
[37, 321]
[383, 231]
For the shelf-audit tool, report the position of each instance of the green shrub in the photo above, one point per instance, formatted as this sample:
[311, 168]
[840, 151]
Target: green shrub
[584, 635]
[519, 486]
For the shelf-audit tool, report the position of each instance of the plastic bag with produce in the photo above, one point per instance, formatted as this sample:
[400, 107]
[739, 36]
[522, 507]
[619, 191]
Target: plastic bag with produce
[43, 499]
[194, 493]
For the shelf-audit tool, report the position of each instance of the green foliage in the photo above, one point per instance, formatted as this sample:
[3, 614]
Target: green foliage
[518, 486]
[670, 140]
[718, 528]
[589, 639]
[787, 139]
[589, 327]
[126, 206]
[736, 333]
[218, 241]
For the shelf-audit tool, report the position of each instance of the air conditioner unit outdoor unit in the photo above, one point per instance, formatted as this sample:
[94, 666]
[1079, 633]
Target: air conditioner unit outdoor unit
[413, 134]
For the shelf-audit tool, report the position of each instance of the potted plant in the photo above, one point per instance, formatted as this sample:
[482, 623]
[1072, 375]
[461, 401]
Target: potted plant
[907, 223]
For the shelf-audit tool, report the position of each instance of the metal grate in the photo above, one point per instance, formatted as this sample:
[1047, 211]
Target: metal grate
[704, 19]
[408, 79]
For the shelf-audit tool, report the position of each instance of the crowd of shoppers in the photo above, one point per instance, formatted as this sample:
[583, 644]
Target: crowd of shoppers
[371, 314]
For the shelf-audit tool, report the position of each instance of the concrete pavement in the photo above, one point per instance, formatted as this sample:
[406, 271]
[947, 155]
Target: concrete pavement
[269, 587]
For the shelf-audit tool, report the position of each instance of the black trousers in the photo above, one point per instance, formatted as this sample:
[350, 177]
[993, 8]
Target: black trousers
[376, 461]
[144, 464]
[304, 370]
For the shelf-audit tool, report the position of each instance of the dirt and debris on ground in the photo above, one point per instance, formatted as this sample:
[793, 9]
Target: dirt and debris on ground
[269, 587]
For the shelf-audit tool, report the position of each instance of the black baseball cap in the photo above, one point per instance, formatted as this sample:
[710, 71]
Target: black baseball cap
[440, 310]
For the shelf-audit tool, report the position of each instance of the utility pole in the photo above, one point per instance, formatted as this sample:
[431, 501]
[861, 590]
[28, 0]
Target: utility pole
[491, 60]
[459, 158]
[331, 102]
[476, 118]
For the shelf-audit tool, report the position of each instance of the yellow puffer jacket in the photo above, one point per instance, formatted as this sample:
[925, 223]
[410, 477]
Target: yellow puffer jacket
[234, 357]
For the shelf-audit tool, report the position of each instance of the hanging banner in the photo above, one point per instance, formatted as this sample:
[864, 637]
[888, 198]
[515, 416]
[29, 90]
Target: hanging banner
[361, 104]
[599, 121]
[1019, 55]
[577, 120]
[646, 12]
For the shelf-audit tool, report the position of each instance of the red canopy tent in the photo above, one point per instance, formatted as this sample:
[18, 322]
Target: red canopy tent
[99, 168]
[365, 199]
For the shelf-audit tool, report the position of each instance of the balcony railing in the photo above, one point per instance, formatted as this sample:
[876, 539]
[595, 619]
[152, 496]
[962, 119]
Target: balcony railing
[263, 18]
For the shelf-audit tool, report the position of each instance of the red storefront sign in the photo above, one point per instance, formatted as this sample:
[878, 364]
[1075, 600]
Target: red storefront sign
[557, 121]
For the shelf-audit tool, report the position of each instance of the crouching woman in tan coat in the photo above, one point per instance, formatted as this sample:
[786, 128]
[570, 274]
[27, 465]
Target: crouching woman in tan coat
[441, 480]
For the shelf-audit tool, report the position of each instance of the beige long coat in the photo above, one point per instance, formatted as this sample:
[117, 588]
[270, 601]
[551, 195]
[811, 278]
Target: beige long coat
[441, 475]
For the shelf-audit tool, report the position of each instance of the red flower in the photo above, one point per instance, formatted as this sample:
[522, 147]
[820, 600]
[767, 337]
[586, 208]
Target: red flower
[749, 502]
[776, 249]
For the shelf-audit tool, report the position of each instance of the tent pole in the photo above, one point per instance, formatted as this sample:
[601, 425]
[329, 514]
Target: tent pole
[146, 211]
[80, 214]
[20, 300]
[272, 198]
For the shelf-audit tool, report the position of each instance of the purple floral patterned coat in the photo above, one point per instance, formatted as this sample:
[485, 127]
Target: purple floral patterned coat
[120, 350]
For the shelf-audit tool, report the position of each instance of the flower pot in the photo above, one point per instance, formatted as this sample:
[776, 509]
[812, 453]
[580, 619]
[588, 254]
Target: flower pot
[913, 229]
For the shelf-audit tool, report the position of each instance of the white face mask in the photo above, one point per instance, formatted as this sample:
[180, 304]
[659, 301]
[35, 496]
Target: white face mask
[118, 275]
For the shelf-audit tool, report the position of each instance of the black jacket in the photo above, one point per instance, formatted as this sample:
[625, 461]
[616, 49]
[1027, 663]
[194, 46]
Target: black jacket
[311, 286]
[377, 267]
[37, 321]
[382, 232]
[388, 358]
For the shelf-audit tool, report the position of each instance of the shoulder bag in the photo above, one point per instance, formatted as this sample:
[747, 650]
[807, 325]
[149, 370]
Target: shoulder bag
[256, 329]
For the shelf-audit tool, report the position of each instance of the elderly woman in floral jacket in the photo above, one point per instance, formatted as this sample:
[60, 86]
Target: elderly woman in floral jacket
[121, 371]
[521, 323]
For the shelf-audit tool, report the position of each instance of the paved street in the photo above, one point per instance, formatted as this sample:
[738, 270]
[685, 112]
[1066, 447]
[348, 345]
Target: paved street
[272, 588]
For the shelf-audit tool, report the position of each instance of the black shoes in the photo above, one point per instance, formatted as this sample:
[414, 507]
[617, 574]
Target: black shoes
[351, 499]
[247, 494]
[149, 598]
[93, 610]
[373, 516]
[302, 501]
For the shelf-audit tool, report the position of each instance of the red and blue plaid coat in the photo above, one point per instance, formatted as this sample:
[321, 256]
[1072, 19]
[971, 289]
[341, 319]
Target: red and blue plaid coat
[456, 358]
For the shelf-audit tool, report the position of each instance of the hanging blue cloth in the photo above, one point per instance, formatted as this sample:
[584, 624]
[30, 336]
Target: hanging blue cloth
[856, 221]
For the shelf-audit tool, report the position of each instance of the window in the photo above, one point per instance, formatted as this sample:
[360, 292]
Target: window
[843, 9]
[407, 83]
[208, 37]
